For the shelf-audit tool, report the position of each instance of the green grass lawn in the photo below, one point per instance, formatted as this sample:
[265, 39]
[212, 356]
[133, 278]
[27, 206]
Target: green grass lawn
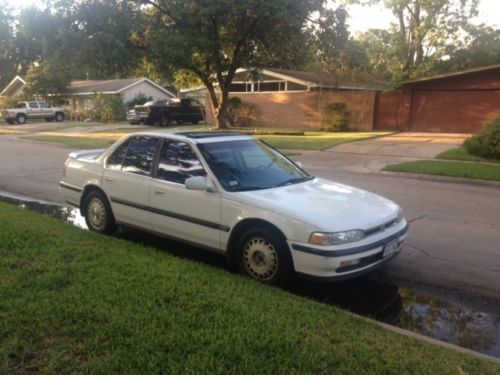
[78, 142]
[310, 141]
[449, 168]
[316, 140]
[462, 154]
[74, 301]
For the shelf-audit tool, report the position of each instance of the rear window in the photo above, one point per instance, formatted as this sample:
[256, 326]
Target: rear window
[140, 155]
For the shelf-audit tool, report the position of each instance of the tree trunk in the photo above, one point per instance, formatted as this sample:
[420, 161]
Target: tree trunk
[221, 115]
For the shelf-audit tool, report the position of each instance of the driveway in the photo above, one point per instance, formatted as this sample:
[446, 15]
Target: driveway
[371, 155]
[455, 231]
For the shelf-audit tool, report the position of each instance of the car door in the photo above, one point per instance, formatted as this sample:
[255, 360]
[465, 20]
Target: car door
[176, 211]
[44, 110]
[33, 110]
[127, 179]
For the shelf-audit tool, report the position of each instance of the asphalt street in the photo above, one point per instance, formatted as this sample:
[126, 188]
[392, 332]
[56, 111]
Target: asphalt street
[454, 240]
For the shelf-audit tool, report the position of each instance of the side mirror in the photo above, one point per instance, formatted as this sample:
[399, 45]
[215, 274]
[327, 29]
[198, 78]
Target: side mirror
[299, 164]
[198, 183]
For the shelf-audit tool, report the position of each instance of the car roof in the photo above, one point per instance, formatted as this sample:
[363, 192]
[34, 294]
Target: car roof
[198, 136]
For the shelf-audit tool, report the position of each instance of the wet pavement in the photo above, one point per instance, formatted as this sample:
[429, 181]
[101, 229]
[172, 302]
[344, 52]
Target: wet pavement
[426, 313]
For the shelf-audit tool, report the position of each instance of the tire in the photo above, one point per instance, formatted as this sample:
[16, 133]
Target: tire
[98, 214]
[195, 122]
[21, 119]
[179, 122]
[165, 121]
[49, 119]
[59, 117]
[264, 256]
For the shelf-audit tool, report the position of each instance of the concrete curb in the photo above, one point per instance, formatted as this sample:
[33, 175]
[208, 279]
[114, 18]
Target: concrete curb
[427, 177]
[431, 340]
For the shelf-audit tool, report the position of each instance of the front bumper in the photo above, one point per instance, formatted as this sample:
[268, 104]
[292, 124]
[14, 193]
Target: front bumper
[341, 262]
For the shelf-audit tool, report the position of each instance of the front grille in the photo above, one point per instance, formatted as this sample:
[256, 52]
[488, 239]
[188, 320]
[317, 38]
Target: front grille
[381, 227]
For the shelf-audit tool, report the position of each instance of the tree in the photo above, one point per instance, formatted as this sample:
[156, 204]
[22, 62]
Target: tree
[7, 65]
[425, 32]
[213, 38]
[45, 79]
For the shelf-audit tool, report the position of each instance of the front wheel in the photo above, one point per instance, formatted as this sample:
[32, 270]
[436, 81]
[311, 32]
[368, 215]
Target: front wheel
[98, 214]
[264, 256]
[59, 116]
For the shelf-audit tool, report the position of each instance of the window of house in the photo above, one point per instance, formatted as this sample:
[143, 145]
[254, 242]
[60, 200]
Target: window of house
[178, 162]
[238, 87]
[292, 86]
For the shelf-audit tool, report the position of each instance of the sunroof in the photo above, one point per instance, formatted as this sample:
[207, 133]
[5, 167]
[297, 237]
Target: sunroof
[197, 135]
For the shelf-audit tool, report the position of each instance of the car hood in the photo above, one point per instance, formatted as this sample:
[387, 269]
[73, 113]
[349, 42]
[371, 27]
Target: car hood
[327, 205]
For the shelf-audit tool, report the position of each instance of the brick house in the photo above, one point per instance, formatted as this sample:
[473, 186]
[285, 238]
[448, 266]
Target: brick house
[461, 102]
[296, 99]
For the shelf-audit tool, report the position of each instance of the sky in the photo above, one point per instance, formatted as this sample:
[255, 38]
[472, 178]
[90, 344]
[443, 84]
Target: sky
[361, 18]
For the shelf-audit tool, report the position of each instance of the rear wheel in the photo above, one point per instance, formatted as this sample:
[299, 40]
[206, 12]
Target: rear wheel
[264, 256]
[98, 214]
[21, 119]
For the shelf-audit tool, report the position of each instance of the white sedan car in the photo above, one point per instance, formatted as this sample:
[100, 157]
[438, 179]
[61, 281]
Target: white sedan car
[236, 195]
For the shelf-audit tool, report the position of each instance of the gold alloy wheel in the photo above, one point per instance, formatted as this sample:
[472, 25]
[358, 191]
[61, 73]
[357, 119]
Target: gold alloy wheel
[260, 259]
[96, 213]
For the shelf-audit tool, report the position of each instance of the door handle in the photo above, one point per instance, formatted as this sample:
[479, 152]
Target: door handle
[109, 179]
[160, 191]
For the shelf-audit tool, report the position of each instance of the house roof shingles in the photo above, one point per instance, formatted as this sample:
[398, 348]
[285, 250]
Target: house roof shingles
[112, 85]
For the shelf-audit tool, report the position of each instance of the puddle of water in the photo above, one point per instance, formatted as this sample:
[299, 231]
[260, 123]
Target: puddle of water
[408, 309]
[58, 211]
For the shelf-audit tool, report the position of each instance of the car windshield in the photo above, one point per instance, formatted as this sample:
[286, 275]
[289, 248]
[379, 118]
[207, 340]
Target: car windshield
[250, 165]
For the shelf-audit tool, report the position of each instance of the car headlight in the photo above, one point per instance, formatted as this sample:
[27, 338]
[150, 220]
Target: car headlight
[336, 238]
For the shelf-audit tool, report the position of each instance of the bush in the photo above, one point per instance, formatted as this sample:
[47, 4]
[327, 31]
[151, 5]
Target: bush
[232, 109]
[240, 113]
[336, 118]
[486, 143]
[108, 108]
[138, 99]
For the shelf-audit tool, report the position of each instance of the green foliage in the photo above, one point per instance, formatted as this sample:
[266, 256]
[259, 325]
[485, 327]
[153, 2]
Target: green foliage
[46, 79]
[233, 106]
[336, 117]
[108, 108]
[425, 33]
[213, 39]
[486, 143]
[8, 102]
[138, 99]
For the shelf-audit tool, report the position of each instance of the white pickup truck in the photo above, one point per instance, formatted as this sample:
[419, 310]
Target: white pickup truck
[32, 110]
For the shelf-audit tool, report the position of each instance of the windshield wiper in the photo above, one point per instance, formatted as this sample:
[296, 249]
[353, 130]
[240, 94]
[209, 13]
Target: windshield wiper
[251, 187]
[295, 180]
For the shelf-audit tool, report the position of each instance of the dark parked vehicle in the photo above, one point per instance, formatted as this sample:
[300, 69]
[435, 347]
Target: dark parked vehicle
[164, 112]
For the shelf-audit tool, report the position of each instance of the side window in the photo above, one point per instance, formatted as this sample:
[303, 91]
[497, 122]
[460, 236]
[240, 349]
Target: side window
[116, 159]
[33, 105]
[140, 155]
[178, 162]
[43, 105]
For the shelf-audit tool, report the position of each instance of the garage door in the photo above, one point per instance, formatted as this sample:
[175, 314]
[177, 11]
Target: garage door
[461, 111]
